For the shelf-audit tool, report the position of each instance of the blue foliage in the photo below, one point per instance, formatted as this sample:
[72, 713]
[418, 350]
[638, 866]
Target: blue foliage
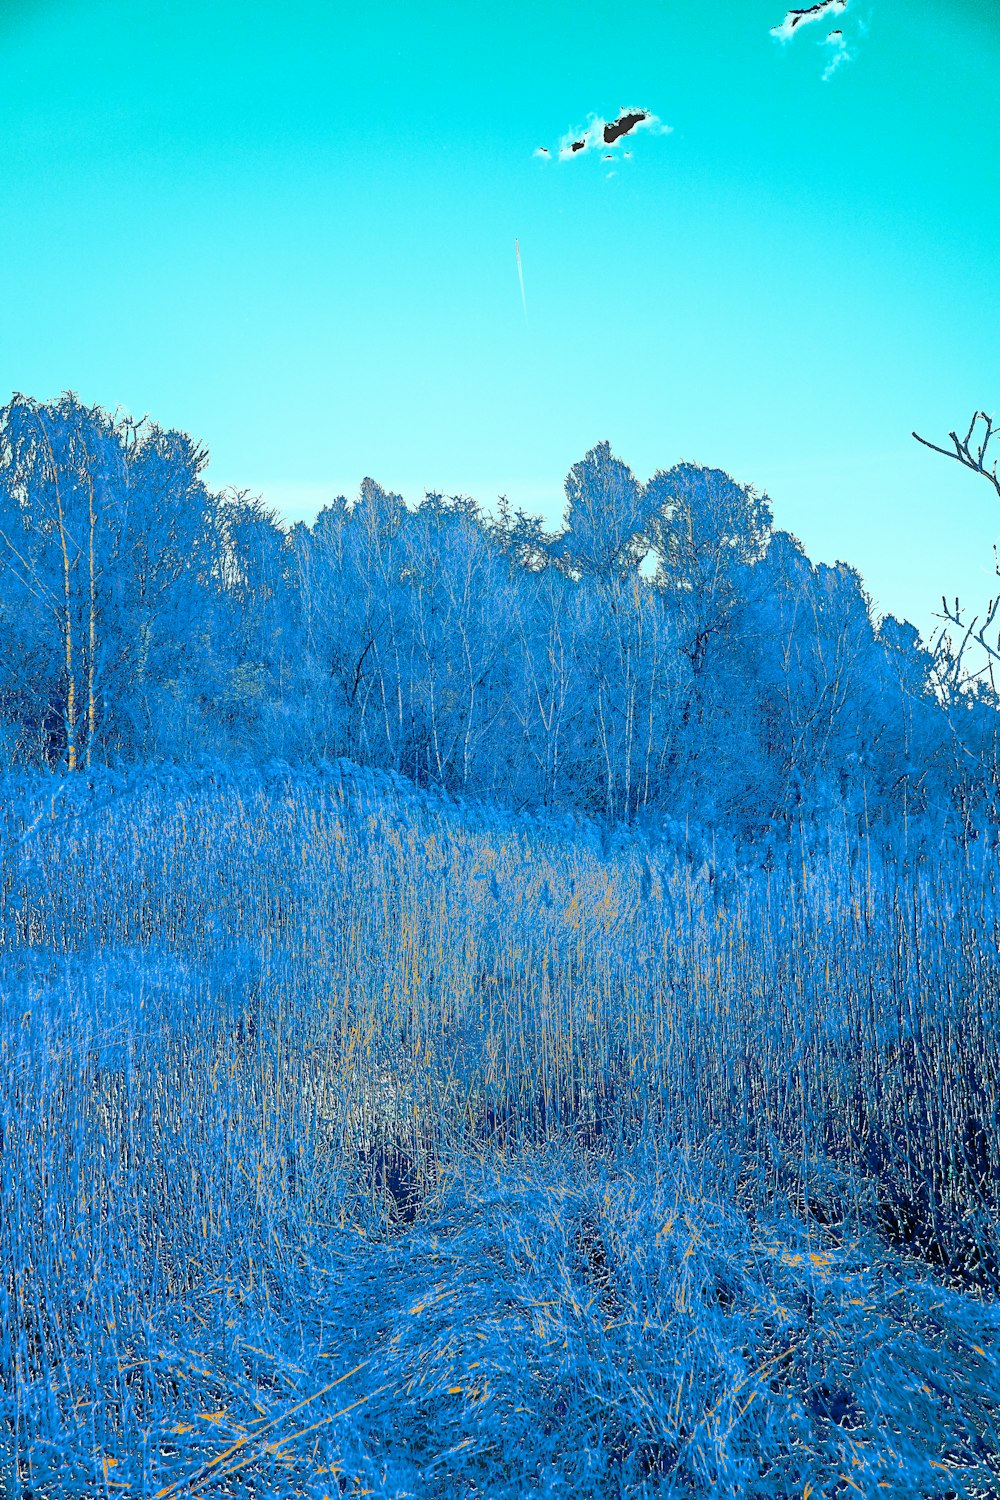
[667, 654]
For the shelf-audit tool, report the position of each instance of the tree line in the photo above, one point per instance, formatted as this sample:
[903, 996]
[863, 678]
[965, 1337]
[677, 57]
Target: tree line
[666, 651]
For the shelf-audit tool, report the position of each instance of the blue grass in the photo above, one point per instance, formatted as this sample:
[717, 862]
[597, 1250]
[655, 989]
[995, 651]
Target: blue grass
[360, 1140]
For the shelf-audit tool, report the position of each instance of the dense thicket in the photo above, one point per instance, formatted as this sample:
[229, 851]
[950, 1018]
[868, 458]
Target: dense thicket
[668, 651]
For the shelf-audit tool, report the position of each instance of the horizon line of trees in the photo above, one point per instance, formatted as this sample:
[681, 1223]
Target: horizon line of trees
[667, 650]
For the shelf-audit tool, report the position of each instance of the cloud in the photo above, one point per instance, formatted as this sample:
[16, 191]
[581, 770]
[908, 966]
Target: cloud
[797, 18]
[839, 55]
[605, 136]
[835, 41]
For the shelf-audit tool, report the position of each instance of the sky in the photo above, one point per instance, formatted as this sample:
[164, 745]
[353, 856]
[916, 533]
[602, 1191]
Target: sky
[289, 230]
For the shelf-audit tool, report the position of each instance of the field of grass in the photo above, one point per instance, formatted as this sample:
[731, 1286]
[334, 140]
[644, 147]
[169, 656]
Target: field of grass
[353, 1143]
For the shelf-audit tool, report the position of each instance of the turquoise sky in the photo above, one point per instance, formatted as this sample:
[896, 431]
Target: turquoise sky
[290, 231]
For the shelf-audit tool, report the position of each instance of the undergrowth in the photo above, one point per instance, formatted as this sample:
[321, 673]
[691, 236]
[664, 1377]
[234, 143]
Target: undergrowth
[354, 1143]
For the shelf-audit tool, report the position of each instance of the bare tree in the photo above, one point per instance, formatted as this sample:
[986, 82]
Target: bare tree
[34, 468]
[971, 452]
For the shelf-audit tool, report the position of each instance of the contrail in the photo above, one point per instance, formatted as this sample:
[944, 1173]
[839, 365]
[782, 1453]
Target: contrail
[520, 276]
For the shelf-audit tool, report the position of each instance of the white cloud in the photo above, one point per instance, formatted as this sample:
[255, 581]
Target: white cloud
[795, 19]
[839, 55]
[605, 136]
[835, 42]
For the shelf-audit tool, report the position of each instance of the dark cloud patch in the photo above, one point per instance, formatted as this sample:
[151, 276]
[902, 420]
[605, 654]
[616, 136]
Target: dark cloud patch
[625, 123]
[600, 134]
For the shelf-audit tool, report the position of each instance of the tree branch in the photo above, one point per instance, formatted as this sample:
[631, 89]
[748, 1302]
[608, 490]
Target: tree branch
[964, 455]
